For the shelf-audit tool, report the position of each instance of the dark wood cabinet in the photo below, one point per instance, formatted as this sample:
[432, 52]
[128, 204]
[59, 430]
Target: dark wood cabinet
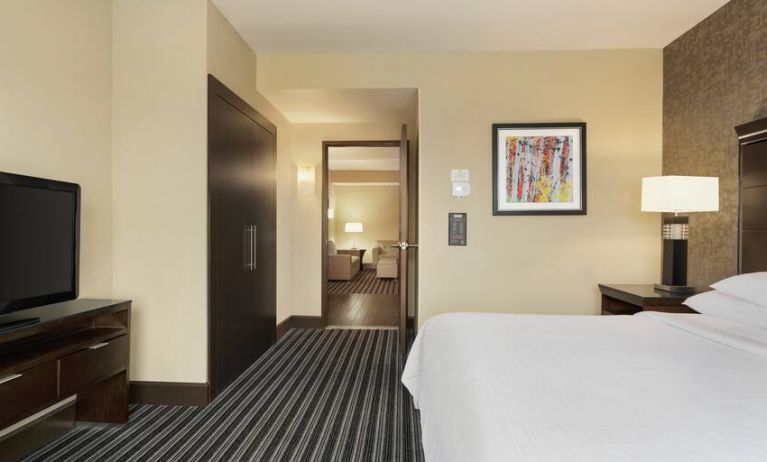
[72, 363]
[242, 235]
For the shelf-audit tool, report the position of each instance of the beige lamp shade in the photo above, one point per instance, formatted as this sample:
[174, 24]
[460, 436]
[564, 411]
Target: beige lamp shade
[353, 227]
[680, 194]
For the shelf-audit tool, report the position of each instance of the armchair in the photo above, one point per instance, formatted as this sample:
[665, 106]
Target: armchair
[384, 249]
[341, 267]
[386, 259]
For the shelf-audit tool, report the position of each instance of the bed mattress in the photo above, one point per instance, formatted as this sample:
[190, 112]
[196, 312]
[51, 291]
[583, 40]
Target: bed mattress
[649, 387]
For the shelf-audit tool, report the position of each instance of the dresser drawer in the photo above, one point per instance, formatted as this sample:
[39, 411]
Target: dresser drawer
[27, 392]
[94, 364]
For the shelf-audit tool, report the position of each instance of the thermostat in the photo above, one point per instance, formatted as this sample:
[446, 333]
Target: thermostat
[461, 189]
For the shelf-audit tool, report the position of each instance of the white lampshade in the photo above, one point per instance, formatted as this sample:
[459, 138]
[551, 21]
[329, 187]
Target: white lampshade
[353, 227]
[680, 194]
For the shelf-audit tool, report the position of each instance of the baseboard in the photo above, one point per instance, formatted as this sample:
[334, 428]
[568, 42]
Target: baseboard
[299, 322]
[170, 393]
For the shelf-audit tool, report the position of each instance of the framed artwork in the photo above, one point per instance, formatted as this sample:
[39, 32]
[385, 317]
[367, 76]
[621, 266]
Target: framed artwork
[539, 169]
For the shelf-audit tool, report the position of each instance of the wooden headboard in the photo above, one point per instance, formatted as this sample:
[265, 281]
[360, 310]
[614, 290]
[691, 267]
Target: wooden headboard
[752, 222]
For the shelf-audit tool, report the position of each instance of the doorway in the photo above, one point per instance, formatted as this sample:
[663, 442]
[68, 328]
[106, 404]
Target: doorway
[366, 200]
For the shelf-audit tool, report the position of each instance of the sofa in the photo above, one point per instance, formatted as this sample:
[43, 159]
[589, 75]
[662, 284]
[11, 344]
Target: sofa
[386, 260]
[341, 267]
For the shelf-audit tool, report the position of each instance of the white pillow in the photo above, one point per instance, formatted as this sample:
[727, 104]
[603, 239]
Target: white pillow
[717, 304]
[751, 287]
[332, 248]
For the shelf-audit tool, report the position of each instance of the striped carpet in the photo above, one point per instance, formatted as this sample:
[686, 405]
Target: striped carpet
[317, 395]
[365, 282]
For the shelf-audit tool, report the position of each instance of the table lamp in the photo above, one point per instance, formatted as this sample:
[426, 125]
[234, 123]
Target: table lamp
[678, 194]
[353, 228]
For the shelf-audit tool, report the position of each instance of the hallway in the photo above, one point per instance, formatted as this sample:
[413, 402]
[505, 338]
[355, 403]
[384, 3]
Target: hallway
[363, 310]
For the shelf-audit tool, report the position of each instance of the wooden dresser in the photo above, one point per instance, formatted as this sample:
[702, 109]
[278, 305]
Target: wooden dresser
[72, 364]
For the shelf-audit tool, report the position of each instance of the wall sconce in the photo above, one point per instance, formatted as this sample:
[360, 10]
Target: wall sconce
[306, 180]
[331, 214]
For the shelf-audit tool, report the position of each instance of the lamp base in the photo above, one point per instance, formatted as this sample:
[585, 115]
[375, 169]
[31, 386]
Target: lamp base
[682, 290]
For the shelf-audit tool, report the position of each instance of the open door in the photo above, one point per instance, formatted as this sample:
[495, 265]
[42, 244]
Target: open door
[404, 244]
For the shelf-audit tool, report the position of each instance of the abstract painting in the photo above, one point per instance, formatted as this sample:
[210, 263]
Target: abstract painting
[539, 169]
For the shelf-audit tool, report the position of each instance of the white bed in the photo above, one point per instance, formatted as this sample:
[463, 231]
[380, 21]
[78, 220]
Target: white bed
[649, 387]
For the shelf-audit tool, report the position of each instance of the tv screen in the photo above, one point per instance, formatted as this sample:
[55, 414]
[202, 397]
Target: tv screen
[39, 232]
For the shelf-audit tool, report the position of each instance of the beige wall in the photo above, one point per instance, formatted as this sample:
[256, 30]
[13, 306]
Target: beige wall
[160, 161]
[163, 53]
[233, 62]
[512, 264]
[55, 112]
[306, 274]
[375, 206]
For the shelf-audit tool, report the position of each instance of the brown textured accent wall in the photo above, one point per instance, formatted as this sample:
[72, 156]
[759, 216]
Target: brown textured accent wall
[714, 78]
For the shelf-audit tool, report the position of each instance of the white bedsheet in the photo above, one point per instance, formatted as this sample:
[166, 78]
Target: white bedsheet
[650, 387]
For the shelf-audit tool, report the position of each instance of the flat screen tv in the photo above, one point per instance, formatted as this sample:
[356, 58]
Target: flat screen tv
[39, 241]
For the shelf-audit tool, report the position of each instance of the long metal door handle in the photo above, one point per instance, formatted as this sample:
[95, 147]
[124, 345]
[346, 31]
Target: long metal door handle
[254, 248]
[10, 378]
[246, 247]
[250, 247]
[404, 245]
[98, 345]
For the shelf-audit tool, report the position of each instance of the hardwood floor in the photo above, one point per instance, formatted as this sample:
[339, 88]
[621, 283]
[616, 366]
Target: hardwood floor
[363, 310]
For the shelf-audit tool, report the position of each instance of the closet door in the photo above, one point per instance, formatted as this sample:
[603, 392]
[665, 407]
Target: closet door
[265, 259]
[241, 205]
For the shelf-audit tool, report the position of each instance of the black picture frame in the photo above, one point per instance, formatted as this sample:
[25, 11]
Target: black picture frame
[582, 187]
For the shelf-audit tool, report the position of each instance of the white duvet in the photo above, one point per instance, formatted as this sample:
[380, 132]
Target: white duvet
[650, 387]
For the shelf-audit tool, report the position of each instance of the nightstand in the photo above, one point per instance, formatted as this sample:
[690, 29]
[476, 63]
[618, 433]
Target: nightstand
[633, 298]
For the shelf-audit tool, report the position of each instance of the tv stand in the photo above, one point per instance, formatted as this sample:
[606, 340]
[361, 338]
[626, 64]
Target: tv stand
[60, 363]
[13, 325]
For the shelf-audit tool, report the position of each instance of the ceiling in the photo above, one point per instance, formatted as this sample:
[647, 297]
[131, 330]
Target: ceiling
[308, 26]
[346, 106]
[363, 158]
